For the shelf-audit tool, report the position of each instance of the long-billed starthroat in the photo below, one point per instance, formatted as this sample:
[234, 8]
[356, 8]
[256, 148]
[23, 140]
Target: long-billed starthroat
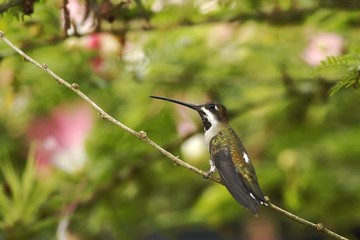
[228, 155]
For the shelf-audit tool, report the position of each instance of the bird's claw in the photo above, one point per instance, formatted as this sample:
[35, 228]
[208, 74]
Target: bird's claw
[208, 174]
[211, 170]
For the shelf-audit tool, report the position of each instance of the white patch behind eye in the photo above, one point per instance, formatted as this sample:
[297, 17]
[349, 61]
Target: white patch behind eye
[210, 116]
[213, 130]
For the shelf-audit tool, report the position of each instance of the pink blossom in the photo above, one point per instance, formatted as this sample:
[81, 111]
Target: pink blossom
[82, 20]
[93, 41]
[105, 45]
[60, 138]
[322, 45]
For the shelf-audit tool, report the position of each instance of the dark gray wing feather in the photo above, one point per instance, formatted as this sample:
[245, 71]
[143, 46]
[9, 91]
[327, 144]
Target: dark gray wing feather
[232, 180]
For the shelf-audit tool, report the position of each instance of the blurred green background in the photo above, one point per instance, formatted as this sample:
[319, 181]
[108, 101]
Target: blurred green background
[67, 174]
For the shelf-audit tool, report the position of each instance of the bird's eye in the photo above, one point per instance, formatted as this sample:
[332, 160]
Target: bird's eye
[211, 106]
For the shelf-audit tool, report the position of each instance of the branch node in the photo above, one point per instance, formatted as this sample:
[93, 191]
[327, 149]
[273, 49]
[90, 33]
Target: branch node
[75, 86]
[101, 115]
[320, 227]
[267, 200]
[44, 66]
[2, 34]
[142, 134]
[26, 60]
[175, 162]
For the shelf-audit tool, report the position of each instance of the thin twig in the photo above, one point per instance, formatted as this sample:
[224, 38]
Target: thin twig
[142, 136]
[75, 88]
[318, 226]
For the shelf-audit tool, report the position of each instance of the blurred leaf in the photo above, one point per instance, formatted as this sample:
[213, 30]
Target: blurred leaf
[348, 65]
[22, 198]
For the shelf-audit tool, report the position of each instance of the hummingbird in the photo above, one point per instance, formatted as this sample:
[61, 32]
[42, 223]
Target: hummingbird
[227, 155]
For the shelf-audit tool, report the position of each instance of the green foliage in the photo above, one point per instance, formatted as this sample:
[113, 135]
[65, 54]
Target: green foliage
[347, 65]
[248, 55]
[23, 200]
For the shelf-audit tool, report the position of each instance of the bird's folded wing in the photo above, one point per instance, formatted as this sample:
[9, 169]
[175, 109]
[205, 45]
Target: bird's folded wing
[232, 180]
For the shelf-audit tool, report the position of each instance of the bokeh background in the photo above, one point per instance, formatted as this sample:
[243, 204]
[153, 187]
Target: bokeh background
[68, 174]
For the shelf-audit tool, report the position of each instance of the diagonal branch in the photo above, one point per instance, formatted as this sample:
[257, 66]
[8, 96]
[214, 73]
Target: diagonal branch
[142, 136]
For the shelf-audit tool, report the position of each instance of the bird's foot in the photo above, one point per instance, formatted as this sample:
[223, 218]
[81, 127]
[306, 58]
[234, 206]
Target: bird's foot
[208, 174]
[211, 170]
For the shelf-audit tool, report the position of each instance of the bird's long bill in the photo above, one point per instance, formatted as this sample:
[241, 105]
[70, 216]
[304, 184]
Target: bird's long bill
[192, 106]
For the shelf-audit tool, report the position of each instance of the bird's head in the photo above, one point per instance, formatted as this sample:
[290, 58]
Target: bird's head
[211, 113]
